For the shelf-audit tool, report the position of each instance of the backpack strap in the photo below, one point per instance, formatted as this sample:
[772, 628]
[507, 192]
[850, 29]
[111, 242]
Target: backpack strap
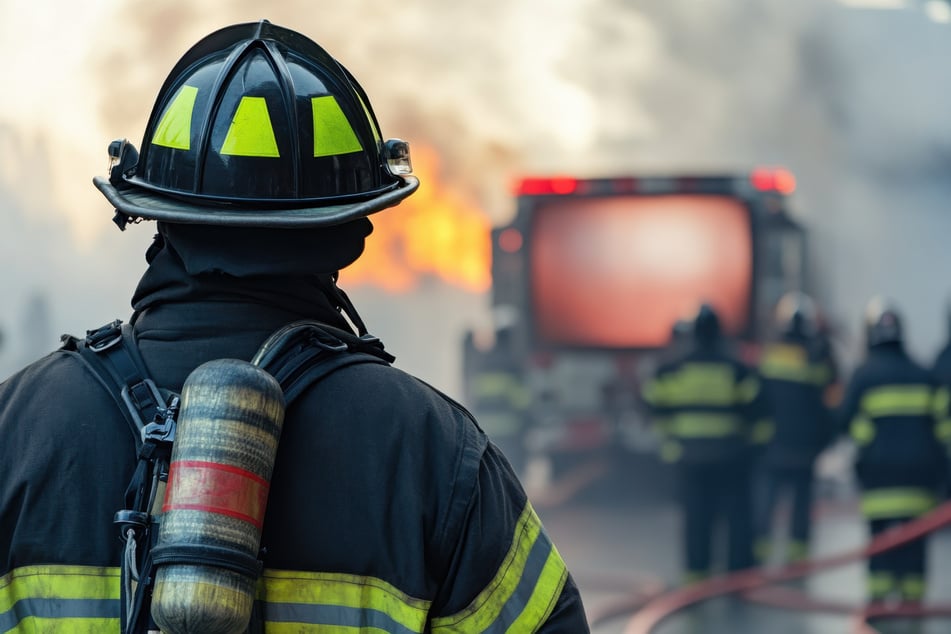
[110, 351]
[302, 353]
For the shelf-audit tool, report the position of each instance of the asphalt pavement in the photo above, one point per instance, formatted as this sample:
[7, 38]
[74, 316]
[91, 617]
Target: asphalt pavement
[618, 530]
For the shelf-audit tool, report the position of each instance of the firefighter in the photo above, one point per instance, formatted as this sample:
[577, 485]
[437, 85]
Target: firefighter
[388, 508]
[500, 397]
[942, 372]
[888, 410]
[705, 402]
[800, 379]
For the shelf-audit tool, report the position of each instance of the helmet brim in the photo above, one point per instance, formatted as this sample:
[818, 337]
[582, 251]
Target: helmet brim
[141, 203]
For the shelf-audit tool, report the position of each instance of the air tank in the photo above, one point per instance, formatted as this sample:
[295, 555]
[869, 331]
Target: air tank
[210, 532]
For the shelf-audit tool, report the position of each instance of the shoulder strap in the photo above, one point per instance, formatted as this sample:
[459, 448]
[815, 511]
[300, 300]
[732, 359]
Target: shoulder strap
[297, 355]
[302, 353]
[110, 351]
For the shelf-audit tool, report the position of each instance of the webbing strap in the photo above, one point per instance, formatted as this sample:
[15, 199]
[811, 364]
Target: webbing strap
[302, 353]
[111, 352]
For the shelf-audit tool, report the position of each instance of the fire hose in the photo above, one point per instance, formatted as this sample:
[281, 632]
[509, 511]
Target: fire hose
[744, 582]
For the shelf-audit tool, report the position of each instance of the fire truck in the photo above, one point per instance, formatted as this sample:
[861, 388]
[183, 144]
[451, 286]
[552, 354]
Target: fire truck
[591, 275]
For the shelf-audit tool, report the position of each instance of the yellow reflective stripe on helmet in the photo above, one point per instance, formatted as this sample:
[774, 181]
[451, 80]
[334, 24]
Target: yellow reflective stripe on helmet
[897, 503]
[862, 430]
[703, 425]
[174, 129]
[898, 400]
[338, 602]
[523, 592]
[60, 598]
[332, 131]
[366, 111]
[251, 132]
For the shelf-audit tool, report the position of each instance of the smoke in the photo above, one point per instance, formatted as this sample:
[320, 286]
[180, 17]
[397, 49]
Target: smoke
[851, 100]
[51, 284]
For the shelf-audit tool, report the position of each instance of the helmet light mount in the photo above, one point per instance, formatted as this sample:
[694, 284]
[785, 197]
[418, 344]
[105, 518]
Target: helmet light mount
[396, 152]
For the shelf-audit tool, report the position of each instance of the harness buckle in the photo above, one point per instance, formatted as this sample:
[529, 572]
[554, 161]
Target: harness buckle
[327, 341]
[105, 337]
[162, 427]
[138, 400]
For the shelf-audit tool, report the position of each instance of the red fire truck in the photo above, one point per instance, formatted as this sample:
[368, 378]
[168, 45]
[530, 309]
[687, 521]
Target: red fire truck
[593, 273]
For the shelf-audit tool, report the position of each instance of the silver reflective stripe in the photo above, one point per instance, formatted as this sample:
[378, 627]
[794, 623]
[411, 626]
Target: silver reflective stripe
[333, 615]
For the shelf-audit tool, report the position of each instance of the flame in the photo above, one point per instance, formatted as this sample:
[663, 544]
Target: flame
[437, 232]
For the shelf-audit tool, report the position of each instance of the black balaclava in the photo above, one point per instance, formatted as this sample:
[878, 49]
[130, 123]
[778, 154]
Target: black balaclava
[293, 268]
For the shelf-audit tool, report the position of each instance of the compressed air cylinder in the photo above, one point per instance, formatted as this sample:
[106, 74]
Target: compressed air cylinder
[210, 533]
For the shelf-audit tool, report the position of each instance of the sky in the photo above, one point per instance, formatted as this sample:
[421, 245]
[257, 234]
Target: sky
[852, 99]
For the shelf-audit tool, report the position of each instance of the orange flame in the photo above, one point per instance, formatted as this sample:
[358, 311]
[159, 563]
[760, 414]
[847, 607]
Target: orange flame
[437, 231]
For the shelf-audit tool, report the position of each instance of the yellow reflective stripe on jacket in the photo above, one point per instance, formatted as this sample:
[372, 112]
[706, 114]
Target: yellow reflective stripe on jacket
[880, 583]
[788, 362]
[671, 451]
[897, 502]
[696, 384]
[500, 423]
[703, 425]
[651, 392]
[943, 431]
[81, 599]
[942, 402]
[524, 591]
[942, 399]
[338, 603]
[747, 389]
[898, 400]
[763, 431]
[912, 587]
[810, 374]
[504, 385]
[862, 430]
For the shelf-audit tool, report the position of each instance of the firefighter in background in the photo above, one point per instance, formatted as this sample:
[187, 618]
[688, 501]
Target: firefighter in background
[889, 412]
[942, 372]
[705, 403]
[800, 380]
[500, 398]
[679, 341]
[681, 333]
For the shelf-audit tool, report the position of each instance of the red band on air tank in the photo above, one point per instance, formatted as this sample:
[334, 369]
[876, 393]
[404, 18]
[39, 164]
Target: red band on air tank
[216, 488]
